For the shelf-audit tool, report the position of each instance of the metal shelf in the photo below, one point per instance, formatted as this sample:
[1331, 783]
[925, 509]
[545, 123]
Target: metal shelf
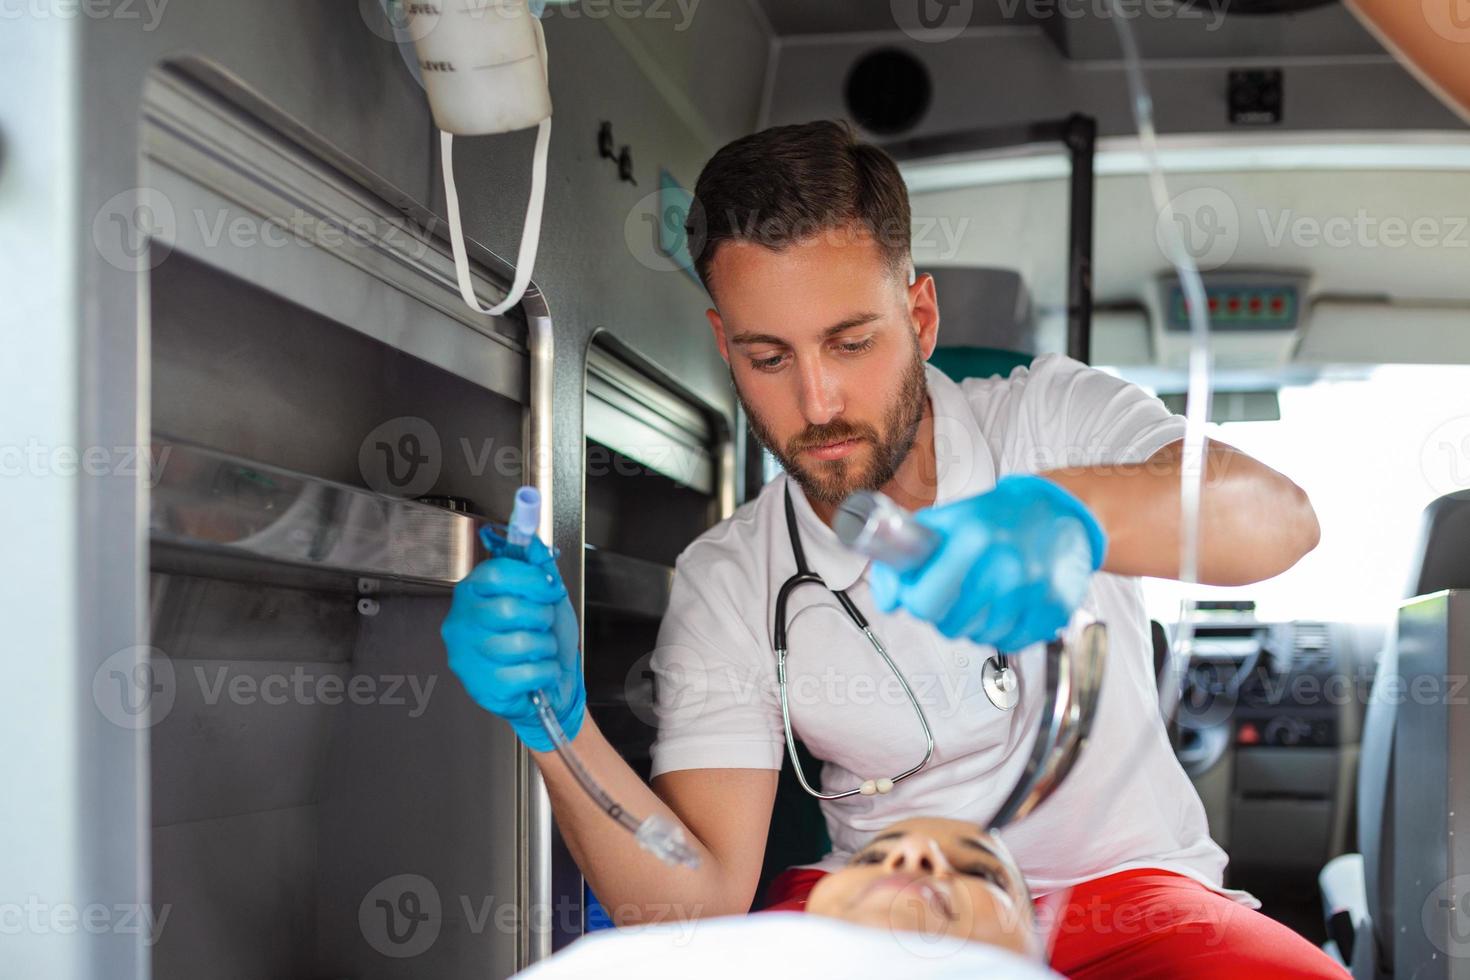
[628, 586]
[219, 516]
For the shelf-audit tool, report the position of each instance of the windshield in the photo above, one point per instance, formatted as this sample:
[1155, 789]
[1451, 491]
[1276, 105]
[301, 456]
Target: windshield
[1371, 453]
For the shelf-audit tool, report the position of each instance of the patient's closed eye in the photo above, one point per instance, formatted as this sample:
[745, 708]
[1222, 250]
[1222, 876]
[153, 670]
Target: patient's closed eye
[983, 870]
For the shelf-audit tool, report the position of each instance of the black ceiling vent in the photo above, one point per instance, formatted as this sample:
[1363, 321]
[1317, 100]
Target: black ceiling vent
[888, 91]
[1253, 8]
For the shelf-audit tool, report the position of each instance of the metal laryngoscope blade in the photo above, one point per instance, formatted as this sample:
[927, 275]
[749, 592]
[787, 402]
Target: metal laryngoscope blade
[1074, 673]
[874, 525]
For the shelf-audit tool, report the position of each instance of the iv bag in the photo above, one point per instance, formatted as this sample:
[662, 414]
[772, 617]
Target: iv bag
[483, 67]
[482, 63]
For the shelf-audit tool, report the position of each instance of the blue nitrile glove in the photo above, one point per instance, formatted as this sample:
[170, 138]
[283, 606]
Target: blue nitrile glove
[511, 631]
[1014, 565]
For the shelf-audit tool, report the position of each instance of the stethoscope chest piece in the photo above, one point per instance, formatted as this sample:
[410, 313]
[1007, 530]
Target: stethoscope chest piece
[1001, 684]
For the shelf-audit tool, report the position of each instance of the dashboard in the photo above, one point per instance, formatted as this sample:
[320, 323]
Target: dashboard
[1268, 729]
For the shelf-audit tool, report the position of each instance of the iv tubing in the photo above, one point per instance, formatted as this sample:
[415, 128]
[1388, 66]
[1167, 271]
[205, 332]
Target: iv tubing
[1197, 398]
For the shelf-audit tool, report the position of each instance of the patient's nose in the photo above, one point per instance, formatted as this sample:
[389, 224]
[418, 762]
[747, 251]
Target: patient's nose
[917, 854]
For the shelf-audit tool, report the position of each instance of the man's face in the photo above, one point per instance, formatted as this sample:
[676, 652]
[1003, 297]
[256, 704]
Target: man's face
[934, 876]
[826, 345]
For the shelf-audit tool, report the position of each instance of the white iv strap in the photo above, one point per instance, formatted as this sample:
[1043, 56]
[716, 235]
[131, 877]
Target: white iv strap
[530, 231]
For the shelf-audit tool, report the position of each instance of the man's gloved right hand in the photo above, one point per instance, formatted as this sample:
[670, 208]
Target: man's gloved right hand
[511, 631]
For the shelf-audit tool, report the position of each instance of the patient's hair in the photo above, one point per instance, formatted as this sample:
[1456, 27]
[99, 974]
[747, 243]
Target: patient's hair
[787, 183]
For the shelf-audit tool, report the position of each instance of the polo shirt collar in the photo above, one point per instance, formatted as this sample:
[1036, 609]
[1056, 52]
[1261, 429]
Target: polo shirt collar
[962, 458]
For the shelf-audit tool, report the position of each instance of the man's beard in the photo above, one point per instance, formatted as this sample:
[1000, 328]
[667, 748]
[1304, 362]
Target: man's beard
[832, 481]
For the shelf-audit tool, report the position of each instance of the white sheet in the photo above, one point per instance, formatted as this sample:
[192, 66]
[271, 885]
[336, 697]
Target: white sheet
[771, 944]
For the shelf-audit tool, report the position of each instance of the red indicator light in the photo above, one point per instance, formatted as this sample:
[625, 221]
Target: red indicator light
[1255, 304]
[1234, 304]
[1277, 304]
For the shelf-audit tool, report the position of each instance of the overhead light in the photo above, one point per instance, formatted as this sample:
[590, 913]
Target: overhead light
[1225, 153]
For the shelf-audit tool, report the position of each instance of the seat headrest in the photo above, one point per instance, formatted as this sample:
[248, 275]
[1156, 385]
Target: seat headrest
[984, 307]
[978, 362]
[1442, 559]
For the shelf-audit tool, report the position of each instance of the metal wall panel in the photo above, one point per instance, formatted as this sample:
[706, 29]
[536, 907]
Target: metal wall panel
[317, 73]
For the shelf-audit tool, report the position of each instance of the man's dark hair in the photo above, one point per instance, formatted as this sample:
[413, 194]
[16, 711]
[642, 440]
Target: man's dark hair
[787, 183]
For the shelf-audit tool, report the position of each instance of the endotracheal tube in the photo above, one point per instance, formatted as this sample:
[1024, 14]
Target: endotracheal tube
[655, 834]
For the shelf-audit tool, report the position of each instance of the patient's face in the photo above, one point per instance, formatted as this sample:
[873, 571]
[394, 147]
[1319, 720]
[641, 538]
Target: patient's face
[935, 876]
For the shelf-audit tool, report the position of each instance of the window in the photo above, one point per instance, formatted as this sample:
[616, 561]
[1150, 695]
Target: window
[1371, 452]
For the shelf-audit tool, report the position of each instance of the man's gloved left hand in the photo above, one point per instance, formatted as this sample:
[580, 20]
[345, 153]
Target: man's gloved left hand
[1013, 566]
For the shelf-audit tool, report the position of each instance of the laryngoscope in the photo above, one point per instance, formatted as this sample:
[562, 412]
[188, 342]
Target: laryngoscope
[872, 524]
[655, 833]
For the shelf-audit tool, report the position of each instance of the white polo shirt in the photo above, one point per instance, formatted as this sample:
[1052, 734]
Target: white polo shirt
[1127, 804]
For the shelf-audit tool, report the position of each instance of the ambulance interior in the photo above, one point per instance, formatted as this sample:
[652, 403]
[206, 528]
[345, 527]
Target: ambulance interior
[290, 389]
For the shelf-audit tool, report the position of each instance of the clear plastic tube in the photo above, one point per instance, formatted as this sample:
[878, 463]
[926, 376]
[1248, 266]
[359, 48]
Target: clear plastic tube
[1197, 399]
[656, 834]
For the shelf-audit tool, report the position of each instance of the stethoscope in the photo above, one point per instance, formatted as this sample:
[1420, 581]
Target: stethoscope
[997, 677]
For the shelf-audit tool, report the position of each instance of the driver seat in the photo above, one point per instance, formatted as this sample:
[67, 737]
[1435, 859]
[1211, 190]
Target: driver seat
[1357, 889]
